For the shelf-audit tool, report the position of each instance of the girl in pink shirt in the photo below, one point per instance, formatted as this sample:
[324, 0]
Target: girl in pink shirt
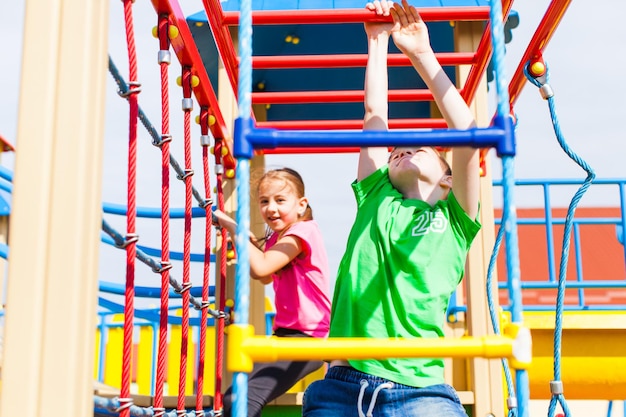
[292, 257]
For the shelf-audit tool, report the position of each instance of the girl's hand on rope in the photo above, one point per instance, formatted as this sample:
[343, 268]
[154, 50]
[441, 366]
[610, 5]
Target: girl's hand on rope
[219, 218]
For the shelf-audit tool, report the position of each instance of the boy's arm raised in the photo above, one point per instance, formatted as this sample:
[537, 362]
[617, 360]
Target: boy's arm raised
[410, 35]
[376, 89]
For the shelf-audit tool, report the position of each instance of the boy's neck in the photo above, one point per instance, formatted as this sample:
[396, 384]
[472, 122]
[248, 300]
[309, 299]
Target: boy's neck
[428, 193]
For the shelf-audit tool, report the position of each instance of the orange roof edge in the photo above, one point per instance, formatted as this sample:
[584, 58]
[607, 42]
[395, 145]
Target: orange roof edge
[6, 145]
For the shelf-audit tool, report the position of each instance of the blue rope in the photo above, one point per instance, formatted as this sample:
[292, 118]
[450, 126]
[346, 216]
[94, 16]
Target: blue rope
[497, 39]
[242, 269]
[556, 386]
[509, 216]
[494, 318]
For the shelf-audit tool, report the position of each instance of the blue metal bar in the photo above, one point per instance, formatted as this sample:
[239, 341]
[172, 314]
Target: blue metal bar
[544, 285]
[547, 204]
[539, 308]
[622, 195]
[149, 292]
[580, 221]
[152, 212]
[499, 136]
[578, 258]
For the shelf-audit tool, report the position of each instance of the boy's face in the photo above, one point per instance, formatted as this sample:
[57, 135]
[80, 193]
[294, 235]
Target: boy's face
[407, 164]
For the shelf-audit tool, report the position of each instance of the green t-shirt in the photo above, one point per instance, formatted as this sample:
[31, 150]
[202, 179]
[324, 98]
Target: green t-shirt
[403, 261]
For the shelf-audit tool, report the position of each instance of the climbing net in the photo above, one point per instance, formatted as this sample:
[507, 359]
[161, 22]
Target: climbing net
[162, 261]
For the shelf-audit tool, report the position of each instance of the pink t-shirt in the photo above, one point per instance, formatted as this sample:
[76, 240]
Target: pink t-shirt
[302, 288]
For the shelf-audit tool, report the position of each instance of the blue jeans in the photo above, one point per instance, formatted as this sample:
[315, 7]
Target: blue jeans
[346, 392]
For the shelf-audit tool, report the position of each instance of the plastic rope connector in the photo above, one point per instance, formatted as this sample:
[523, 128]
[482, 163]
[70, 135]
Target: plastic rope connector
[188, 173]
[511, 403]
[546, 91]
[130, 238]
[134, 87]
[164, 138]
[187, 104]
[165, 57]
[165, 266]
[205, 140]
[207, 202]
[124, 404]
[158, 411]
[185, 287]
[556, 387]
[219, 169]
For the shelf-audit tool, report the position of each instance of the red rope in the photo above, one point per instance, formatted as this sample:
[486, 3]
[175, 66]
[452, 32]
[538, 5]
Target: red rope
[204, 130]
[131, 237]
[186, 83]
[164, 45]
[219, 354]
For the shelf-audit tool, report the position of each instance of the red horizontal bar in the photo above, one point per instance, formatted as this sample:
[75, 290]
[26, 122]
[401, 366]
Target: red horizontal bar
[334, 96]
[545, 30]
[483, 52]
[428, 14]
[223, 40]
[352, 60]
[351, 124]
[282, 151]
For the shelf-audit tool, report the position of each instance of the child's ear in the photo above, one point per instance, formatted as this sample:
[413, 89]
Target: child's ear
[304, 202]
[446, 181]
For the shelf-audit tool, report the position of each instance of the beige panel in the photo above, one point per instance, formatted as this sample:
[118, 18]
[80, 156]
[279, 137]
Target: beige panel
[484, 376]
[56, 218]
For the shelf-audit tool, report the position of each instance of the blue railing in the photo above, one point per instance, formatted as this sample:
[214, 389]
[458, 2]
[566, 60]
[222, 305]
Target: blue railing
[613, 192]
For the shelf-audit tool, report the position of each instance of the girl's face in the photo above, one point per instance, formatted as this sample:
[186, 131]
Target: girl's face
[279, 204]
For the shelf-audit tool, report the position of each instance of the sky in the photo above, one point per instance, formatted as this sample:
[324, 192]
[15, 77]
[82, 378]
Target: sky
[586, 58]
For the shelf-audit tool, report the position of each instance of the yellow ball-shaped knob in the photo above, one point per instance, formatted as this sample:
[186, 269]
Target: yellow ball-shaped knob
[230, 173]
[229, 303]
[537, 68]
[230, 254]
[195, 81]
[211, 120]
[212, 150]
[224, 151]
[155, 32]
[179, 81]
[173, 32]
[197, 119]
[295, 40]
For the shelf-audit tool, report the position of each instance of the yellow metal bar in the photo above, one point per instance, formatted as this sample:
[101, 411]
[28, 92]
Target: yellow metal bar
[245, 348]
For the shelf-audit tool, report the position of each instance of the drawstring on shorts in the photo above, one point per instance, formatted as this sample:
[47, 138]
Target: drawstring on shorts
[370, 409]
